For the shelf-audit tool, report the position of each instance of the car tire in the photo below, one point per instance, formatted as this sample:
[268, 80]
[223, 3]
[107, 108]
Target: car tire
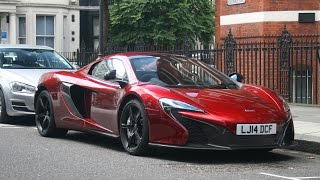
[4, 117]
[44, 117]
[134, 129]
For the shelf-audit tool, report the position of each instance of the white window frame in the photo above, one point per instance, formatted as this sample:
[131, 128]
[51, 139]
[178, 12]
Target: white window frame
[54, 30]
[18, 33]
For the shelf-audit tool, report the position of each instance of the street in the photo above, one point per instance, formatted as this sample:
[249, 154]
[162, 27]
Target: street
[27, 155]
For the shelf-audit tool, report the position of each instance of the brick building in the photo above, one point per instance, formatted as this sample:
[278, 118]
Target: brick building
[291, 65]
[251, 19]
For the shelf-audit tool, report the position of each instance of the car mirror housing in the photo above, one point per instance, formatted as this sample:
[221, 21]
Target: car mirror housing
[111, 75]
[122, 83]
[237, 77]
[76, 66]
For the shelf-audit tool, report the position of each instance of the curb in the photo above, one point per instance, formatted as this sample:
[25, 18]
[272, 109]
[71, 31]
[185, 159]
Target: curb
[304, 105]
[306, 137]
[306, 146]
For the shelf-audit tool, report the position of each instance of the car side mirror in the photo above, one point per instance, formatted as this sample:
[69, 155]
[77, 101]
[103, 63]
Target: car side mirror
[236, 76]
[76, 66]
[110, 75]
[122, 83]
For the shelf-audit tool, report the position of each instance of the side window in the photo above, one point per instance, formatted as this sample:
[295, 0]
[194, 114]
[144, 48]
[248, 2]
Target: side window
[100, 69]
[120, 69]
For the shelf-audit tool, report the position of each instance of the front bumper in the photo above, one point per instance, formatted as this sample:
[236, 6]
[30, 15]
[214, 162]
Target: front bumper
[19, 104]
[209, 136]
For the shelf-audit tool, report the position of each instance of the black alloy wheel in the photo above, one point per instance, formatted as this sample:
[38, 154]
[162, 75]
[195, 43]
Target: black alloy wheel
[45, 118]
[134, 131]
[4, 118]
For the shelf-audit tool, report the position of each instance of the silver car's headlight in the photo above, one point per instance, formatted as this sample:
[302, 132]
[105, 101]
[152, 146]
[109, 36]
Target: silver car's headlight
[169, 104]
[285, 104]
[22, 88]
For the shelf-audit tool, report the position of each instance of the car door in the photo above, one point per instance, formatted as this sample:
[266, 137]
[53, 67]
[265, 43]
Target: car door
[104, 99]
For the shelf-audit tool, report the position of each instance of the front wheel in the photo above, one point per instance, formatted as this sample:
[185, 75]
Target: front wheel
[45, 118]
[4, 118]
[134, 130]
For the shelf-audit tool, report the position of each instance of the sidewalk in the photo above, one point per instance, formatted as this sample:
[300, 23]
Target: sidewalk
[306, 121]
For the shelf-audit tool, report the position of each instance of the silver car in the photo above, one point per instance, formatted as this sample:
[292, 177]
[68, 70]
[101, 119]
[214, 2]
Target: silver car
[20, 69]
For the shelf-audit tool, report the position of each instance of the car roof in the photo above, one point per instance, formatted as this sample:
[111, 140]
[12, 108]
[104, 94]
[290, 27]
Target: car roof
[23, 46]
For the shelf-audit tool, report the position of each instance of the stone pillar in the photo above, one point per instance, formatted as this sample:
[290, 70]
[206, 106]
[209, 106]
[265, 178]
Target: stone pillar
[12, 28]
[0, 28]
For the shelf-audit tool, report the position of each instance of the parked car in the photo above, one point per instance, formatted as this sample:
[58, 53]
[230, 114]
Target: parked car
[20, 69]
[162, 100]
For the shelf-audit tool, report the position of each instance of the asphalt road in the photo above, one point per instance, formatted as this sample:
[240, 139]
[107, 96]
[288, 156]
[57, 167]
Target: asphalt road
[24, 154]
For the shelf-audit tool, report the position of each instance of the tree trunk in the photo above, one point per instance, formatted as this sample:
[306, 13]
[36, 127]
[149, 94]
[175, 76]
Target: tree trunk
[106, 22]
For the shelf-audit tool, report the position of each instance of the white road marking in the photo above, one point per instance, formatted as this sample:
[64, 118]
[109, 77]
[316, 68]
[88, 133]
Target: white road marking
[292, 178]
[9, 126]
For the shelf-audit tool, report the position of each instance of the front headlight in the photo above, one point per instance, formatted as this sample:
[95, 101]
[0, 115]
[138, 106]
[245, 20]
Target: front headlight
[285, 104]
[169, 104]
[22, 88]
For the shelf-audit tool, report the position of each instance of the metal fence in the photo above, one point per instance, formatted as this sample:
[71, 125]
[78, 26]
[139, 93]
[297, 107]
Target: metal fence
[290, 67]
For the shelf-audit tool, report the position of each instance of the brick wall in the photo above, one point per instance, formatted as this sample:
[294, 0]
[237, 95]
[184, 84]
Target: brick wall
[258, 21]
[265, 28]
[261, 31]
[266, 5]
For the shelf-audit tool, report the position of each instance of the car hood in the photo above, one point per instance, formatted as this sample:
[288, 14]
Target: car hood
[231, 105]
[27, 76]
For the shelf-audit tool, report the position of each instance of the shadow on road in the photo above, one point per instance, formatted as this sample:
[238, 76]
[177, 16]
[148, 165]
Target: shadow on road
[95, 139]
[23, 121]
[220, 157]
[306, 146]
[190, 156]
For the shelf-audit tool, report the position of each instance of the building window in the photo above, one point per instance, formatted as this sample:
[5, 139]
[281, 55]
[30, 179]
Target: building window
[45, 31]
[302, 86]
[22, 30]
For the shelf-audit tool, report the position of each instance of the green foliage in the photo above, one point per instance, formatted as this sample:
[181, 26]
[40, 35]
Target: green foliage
[161, 22]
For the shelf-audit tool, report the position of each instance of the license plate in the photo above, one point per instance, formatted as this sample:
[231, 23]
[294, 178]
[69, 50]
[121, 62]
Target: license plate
[256, 129]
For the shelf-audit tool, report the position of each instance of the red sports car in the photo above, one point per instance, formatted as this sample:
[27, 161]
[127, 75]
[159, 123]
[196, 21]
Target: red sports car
[151, 99]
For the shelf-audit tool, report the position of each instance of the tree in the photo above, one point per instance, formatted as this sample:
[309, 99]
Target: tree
[162, 22]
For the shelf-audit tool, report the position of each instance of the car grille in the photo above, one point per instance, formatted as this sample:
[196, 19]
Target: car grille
[196, 134]
[20, 106]
[199, 132]
[205, 134]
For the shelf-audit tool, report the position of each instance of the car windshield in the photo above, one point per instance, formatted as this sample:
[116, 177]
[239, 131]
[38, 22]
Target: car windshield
[179, 71]
[32, 59]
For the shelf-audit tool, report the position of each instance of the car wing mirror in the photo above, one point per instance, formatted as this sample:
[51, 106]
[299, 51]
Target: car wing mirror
[76, 66]
[237, 77]
[122, 83]
[111, 75]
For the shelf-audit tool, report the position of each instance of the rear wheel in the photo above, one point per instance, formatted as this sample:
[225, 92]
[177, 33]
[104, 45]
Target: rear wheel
[4, 118]
[45, 118]
[134, 131]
